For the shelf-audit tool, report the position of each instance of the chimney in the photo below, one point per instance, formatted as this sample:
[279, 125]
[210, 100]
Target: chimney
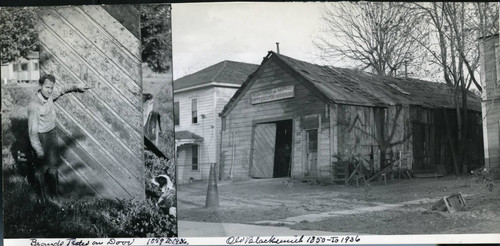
[278, 47]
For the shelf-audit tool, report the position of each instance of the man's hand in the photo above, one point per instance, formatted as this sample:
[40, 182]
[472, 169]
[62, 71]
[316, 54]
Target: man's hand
[83, 87]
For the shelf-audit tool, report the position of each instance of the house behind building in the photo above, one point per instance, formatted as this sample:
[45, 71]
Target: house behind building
[198, 99]
[22, 70]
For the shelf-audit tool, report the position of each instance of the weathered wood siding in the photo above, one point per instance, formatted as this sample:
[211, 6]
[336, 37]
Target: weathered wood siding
[490, 76]
[430, 142]
[236, 146]
[101, 130]
[365, 130]
[222, 97]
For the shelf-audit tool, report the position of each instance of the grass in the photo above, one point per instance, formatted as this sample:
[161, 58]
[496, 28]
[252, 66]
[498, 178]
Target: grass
[69, 217]
[24, 216]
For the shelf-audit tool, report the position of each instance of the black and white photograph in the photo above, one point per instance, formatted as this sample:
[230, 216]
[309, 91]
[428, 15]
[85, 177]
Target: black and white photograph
[366, 118]
[87, 122]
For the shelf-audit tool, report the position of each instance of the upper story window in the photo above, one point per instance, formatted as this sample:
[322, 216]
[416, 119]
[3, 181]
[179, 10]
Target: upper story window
[16, 67]
[176, 113]
[35, 66]
[194, 111]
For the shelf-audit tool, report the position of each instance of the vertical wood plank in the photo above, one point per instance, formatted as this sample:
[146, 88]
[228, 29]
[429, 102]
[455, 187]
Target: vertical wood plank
[263, 153]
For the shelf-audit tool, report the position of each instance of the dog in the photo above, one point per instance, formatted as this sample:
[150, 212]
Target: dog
[166, 186]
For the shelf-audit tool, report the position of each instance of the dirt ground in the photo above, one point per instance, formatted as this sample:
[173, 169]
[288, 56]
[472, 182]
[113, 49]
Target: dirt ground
[398, 207]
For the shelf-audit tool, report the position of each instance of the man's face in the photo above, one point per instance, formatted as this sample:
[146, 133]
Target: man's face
[47, 88]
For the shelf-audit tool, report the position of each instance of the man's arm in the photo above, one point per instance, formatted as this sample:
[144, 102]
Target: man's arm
[68, 88]
[33, 117]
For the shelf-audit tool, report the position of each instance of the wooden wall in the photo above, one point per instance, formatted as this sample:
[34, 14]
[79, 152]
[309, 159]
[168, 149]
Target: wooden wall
[236, 151]
[363, 130]
[101, 132]
[490, 76]
[430, 141]
[418, 133]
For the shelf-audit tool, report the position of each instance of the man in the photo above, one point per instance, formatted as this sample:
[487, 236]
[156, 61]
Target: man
[43, 133]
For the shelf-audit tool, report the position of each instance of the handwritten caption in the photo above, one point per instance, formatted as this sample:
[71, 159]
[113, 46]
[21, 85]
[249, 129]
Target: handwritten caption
[108, 241]
[233, 240]
[296, 240]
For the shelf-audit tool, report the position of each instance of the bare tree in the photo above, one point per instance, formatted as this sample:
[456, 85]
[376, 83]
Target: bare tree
[453, 46]
[380, 36]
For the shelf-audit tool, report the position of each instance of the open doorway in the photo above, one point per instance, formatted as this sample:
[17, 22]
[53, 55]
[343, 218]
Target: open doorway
[272, 150]
[283, 151]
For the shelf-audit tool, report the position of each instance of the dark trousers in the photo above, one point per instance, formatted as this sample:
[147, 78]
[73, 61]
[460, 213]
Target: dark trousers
[49, 145]
[46, 169]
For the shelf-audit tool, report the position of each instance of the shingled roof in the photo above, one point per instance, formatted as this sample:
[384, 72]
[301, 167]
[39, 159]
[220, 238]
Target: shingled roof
[353, 87]
[230, 72]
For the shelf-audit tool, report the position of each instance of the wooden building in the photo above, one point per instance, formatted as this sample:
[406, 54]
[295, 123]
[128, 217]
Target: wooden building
[198, 98]
[490, 81]
[291, 118]
[101, 130]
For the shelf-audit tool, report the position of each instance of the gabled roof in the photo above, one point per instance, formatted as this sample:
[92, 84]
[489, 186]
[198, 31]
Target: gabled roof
[353, 87]
[229, 72]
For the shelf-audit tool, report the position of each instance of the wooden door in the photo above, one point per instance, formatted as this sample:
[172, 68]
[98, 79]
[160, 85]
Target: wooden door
[264, 140]
[312, 152]
[101, 130]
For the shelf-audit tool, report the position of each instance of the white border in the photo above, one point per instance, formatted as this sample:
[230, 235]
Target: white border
[254, 240]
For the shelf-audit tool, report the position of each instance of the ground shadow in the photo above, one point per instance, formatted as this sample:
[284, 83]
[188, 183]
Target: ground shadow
[25, 159]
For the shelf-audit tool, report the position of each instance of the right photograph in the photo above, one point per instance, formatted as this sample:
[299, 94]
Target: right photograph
[369, 118]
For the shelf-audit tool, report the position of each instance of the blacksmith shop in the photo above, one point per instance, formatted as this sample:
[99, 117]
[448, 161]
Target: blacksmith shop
[295, 119]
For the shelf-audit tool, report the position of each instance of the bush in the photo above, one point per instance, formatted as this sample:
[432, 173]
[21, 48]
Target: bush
[144, 219]
[25, 217]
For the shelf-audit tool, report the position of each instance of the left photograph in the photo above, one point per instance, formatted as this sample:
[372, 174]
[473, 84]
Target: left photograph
[87, 122]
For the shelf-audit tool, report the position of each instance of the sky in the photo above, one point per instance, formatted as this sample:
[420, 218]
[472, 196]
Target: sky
[204, 34]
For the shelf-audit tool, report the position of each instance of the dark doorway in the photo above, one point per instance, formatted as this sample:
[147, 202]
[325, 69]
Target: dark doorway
[283, 149]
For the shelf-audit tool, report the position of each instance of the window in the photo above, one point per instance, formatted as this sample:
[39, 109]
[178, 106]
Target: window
[35, 66]
[194, 157]
[194, 111]
[16, 67]
[176, 113]
[312, 143]
[24, 66]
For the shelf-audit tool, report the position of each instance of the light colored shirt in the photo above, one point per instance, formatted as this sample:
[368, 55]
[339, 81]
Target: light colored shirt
[42, 115]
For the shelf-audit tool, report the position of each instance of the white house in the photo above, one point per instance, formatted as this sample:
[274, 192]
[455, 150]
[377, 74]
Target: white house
[23, 69]
[198, 100]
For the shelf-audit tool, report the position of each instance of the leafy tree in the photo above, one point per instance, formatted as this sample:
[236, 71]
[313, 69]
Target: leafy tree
[156, 36]
[18, 34]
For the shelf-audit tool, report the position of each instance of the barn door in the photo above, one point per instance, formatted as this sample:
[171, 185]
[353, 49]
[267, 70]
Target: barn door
[263, 151]
[101, 130]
